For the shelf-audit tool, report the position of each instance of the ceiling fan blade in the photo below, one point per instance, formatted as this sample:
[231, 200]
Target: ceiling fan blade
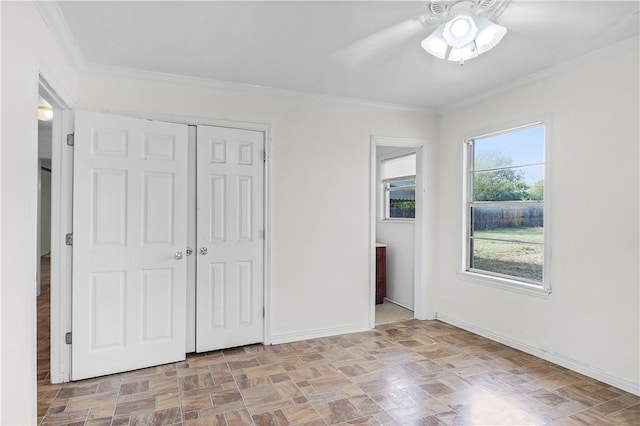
[522, 17]
[365, 48]
[626, 23]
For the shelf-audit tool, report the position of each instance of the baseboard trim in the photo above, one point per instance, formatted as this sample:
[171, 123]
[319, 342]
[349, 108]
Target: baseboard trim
[316, 334]
[429, 316]
[558, 359]
[561, 360]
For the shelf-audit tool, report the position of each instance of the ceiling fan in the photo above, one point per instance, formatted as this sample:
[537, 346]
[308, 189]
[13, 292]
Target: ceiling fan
[438, 14]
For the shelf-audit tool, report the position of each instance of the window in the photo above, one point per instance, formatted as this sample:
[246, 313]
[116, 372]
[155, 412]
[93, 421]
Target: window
[504, 206]
[399, 187]
[400, 198]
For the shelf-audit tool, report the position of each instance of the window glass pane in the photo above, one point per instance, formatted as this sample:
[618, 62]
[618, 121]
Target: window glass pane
[402, 204]
[402, 194]
[402, 209]
[514, 184]
[518, 260]
[508, 223]
[401, 183]
[515, 148]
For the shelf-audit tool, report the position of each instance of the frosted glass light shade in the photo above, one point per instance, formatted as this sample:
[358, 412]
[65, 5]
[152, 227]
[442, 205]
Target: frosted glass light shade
[461, 54]
[489, 35]
[460, 31]
[436, 44]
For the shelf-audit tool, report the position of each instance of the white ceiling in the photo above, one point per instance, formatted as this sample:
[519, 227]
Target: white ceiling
[356, 49]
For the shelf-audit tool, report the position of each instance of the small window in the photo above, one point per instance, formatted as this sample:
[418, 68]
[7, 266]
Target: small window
[505, 205]
[399, 187]
[400, 198]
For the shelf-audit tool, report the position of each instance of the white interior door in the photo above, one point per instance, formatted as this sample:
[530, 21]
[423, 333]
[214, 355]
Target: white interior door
[129, 239]
[230, 229]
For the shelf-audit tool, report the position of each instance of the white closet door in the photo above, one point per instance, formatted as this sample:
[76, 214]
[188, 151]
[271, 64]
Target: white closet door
[230, 227]
[129, 239]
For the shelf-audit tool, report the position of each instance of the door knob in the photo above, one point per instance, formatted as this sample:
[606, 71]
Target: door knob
[177, 255]
[203, 251]
[189, 251]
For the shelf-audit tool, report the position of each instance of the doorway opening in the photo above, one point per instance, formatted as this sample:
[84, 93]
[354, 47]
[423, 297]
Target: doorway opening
[397, 221]
[43, 259]
[395, 233]
[53, 256]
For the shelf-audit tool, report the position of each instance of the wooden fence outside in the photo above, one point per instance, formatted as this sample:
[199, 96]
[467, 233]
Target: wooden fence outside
[504, 217]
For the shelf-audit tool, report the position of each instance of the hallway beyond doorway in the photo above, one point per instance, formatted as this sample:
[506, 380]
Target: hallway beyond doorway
[388, 312]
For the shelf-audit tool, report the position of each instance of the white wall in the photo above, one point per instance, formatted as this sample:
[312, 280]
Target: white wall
[27, 47]
[44, 153]
[44, 139]
[1, 181]
[320, 164]
[592, 316]
[45, 212]
[400, 241]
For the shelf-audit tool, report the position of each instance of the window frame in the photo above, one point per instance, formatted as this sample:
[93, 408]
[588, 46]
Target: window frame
[493, 279]
[387, 190]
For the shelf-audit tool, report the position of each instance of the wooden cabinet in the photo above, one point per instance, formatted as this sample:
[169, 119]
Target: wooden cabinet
[381, 274]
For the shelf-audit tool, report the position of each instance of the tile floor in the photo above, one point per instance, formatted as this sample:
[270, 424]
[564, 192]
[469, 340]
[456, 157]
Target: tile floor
[388, 311]
[406, 373]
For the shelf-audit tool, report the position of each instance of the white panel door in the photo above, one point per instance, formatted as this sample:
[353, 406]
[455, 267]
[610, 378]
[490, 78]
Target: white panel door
[129, 238]
[230, 227]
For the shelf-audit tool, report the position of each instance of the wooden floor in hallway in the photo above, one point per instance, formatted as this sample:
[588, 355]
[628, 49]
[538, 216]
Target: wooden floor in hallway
[405, 373]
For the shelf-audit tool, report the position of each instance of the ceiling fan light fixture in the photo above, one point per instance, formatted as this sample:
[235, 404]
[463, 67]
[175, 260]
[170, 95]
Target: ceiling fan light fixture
[436, 44]
[489, 35]
[460, 31]
[461, 54]
[463, 37]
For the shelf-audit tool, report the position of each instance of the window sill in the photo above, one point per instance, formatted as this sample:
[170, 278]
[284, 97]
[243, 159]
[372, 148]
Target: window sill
[506, 284]
[398, 221]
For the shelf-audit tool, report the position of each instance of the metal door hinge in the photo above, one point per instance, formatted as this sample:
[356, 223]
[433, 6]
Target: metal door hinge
[67, 338]
[263, 312]
[68, 239]
[264, 156]
[70, 139]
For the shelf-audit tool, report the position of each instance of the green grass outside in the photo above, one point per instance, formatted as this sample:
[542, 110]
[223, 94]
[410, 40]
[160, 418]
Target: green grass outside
[532, 234]
[510, 258]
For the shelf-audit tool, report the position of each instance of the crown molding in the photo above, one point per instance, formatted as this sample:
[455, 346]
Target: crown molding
[631, 44]
[52, 16]
[205, 83]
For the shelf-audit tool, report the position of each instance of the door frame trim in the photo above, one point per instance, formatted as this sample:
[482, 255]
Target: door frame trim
[422, 228]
